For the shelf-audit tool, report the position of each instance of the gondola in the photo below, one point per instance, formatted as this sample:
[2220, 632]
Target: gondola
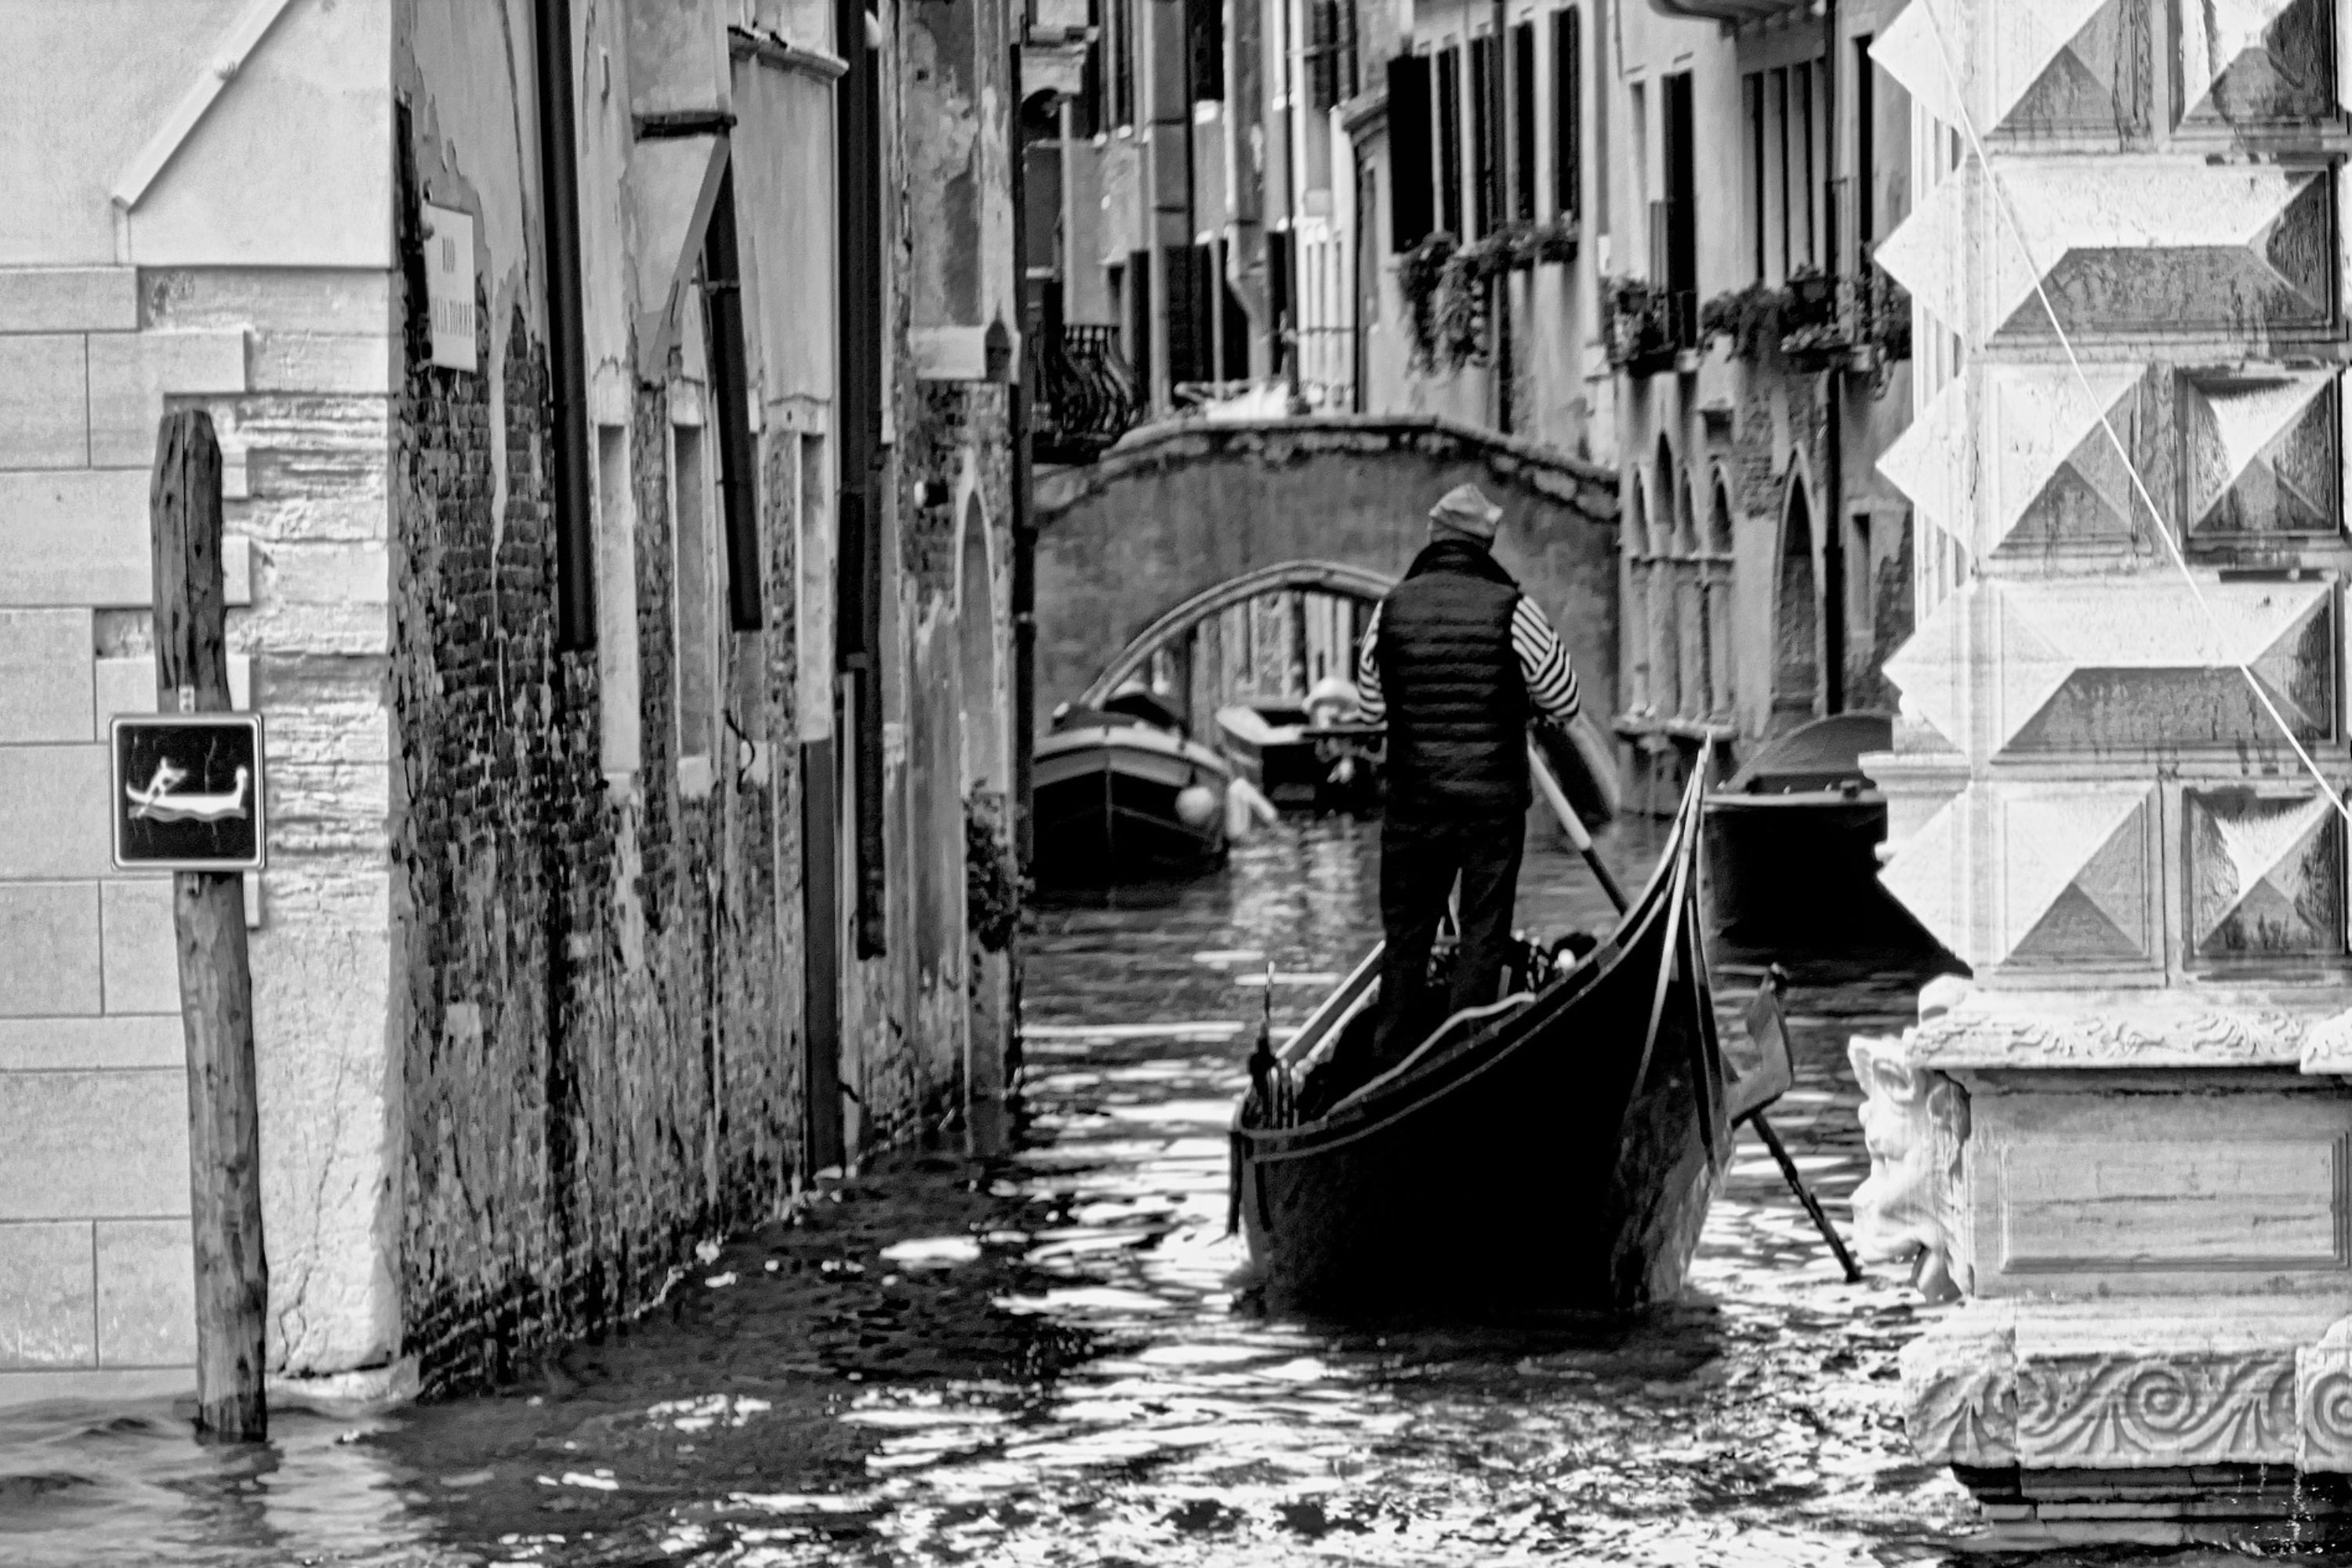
[1120, 792]
[1558, 1150]
[1793, 853]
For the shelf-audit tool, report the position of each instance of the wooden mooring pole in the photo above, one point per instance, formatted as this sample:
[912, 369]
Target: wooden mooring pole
[215, 982]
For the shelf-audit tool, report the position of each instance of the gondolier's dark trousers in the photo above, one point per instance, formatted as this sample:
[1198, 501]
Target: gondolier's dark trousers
[1419, 861]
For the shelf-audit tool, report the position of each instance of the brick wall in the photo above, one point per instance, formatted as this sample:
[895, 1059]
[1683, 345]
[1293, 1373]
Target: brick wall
[599, 989]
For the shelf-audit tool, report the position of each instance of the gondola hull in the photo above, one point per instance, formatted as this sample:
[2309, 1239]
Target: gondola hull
[1549, 1158]
[1106, 804]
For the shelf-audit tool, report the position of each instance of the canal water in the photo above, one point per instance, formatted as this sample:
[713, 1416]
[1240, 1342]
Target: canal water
[1041, 1359]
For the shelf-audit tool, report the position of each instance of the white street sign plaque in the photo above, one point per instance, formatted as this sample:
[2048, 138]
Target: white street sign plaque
[187, 792]
[449, 286]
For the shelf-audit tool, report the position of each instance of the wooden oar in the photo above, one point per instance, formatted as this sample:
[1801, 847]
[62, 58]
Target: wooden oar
[1574, 827]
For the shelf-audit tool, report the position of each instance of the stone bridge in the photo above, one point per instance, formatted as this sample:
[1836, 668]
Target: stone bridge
[1182, 521]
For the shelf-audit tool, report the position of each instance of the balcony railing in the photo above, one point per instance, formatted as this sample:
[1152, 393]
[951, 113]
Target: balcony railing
[1083, 396]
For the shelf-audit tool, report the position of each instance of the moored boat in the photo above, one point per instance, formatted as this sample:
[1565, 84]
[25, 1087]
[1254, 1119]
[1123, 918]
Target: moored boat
[1792, 852]
[1558, 1150]
[1117, 796]
[1267, 745]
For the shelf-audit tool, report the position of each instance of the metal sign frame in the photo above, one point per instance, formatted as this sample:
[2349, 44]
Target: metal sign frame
[118, 811]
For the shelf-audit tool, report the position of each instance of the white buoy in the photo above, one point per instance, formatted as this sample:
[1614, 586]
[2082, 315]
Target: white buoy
[1195, 804]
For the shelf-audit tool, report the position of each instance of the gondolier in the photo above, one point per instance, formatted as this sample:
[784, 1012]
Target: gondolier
[1457, 661]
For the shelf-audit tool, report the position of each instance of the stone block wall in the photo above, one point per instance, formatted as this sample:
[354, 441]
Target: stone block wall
[93, 1112]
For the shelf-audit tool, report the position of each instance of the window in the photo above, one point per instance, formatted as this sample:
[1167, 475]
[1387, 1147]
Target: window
[1802, 79]
[1331, 52]
[1087, 113]
[1351, 82]
[1139, 321]
[1567, 113]
[1410, 175]
[1523, 122]
[1122, 65]
[1752, 88]
[621, 745]
[1483, 87]
[1781, 139]
[1600, 120]
[1449, 141]
[1680, 271]
[1204, 44]
[1637, 136]
[694, 590]
[1865, 149]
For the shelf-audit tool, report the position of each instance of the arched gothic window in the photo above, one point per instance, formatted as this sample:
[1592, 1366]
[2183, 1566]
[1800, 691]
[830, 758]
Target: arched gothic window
[1796, 618]
[1715, 589]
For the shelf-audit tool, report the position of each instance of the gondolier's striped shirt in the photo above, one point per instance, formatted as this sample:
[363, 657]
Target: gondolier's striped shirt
[1543, 665]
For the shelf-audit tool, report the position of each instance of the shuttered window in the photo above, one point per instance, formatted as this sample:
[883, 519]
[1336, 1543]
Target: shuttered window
[1449, 141]
[1568, 112]
[1523, 122]
[1410, 182]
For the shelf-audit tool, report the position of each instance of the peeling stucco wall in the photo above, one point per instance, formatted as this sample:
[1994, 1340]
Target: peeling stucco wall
[599, 981]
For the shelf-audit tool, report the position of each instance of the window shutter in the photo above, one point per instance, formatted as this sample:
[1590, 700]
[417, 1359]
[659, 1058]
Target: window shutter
[1568, 113]
[1408, 145]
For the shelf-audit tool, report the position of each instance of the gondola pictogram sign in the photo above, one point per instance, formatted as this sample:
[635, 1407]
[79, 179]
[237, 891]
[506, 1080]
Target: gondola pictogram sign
[187, 792]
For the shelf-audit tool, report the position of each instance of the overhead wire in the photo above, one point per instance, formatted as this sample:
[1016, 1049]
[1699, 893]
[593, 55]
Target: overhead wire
[2005, 208]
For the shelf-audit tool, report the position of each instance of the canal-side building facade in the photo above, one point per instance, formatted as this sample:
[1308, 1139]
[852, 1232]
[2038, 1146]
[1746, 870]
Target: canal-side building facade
[2117, 786]
[1190, 208]
[634, 646]
[1643, 234]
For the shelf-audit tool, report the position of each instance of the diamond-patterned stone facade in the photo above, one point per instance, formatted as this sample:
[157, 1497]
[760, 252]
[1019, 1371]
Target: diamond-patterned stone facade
[2006, 668]
[2038, 875]
[2260, 455]
[2265, 875]
[2115, 790]
[2125, 245]
[2252, 66]
[2079, 72]
[2026, 464]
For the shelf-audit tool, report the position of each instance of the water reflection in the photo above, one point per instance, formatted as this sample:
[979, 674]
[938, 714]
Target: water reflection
[1039, 1360]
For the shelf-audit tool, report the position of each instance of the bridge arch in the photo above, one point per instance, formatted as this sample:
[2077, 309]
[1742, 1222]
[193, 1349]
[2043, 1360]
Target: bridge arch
[1335, 577]
[1179, 514]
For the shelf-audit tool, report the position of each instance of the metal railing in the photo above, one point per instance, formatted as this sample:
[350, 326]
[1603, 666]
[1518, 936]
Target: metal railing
[1084, 395]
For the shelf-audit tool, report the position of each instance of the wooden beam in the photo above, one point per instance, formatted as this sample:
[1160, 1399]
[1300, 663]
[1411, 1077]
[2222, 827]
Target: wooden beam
[215, 982]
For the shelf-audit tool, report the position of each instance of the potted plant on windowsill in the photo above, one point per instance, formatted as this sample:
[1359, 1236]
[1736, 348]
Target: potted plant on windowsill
[1633, 335]
[1812, 296]
[1748, 319]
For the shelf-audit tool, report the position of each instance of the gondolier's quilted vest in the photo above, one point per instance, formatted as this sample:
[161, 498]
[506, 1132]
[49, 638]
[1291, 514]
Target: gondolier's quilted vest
[1457, 705]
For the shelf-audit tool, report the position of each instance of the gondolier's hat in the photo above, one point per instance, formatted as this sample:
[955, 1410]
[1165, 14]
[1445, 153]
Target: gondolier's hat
[1466, 510]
